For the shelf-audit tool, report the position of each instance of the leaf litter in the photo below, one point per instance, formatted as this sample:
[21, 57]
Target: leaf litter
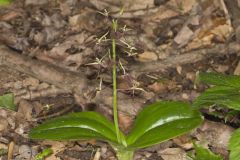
[63, 33]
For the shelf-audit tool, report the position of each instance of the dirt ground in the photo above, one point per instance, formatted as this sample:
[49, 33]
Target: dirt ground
[54, 56]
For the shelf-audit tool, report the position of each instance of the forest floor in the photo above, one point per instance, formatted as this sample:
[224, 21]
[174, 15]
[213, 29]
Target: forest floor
[54, 58]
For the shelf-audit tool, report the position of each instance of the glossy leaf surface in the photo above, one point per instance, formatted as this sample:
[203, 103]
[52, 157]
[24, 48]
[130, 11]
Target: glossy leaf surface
[219, 79]
[162, 121]
[7, 101]
[234, 145]
[205, 154]
[76, 126]
[220, 95]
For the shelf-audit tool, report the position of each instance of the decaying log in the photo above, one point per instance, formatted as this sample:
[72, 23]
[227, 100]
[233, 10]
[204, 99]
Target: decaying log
[185, 58]
[74, 82]
[78, 84]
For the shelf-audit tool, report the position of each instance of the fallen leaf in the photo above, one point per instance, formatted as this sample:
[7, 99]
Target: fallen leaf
[184, 36]
[3, 124]
[237, 69]
[147, 56]
[125, 121]
[173, 154]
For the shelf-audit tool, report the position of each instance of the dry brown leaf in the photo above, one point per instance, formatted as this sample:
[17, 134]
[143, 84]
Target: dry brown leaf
[186, 5]
[56, 147]
[66, 6]
[34, 2]
[126, 82]
[3, 146]
[173, 154]
[59, 54]
[3, 124]
[222, 32]
[25, 109]
[147, 56]
[237, 69]
[29, 81]
[215, 133]
[10, 15]
[191, 76]
[25, 152]
[158, 87]
[184, 141]
[125, 121]
[184, 36]
[86, 20]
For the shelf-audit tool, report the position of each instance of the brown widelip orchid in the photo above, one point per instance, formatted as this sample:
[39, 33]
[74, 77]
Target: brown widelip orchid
[156, 123]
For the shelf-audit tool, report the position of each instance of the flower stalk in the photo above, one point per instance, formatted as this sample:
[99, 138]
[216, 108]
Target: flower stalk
[114, 74]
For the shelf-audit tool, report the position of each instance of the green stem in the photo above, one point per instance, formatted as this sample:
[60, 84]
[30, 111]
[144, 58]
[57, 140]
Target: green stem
[125, 155]
[114, 73]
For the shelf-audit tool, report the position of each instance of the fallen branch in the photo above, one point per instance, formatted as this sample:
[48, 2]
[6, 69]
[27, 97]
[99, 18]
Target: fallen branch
[76, 83]
[185, 58]
[85, 89]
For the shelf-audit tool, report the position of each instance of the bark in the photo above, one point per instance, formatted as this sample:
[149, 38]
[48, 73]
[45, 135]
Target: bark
[85, 89]
[73, 82]
[185, 58]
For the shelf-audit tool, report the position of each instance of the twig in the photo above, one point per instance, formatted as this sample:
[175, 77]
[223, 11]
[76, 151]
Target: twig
[97, 155]
[10, 150]
[226, 12]
[61, 112]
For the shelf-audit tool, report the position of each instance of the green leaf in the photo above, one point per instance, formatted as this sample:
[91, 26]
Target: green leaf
[220, 95]
[162, 121]
[234, 145]
[3, 152]
[218, 79]
[5, 2]
[7, 101]
[205, 154]
[46, 152]
[77, 126]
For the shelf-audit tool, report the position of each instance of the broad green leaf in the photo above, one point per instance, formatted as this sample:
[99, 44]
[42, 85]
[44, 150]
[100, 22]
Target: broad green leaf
[46, 152]
[7, 101]
[5, 2]
[234, 145]
[218, 79]
[76, 126]
[162, 121]
[205, 154]
[220, 95]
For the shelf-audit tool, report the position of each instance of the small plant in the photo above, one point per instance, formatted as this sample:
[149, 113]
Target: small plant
[3, 152]
[156, 123]
[7, 101]
[224, 93]
[202, 153]
[42, 155]
[5, 2]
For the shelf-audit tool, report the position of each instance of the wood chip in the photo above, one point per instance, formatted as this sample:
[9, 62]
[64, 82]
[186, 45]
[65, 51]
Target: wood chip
[237, 69]
[10, 150]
